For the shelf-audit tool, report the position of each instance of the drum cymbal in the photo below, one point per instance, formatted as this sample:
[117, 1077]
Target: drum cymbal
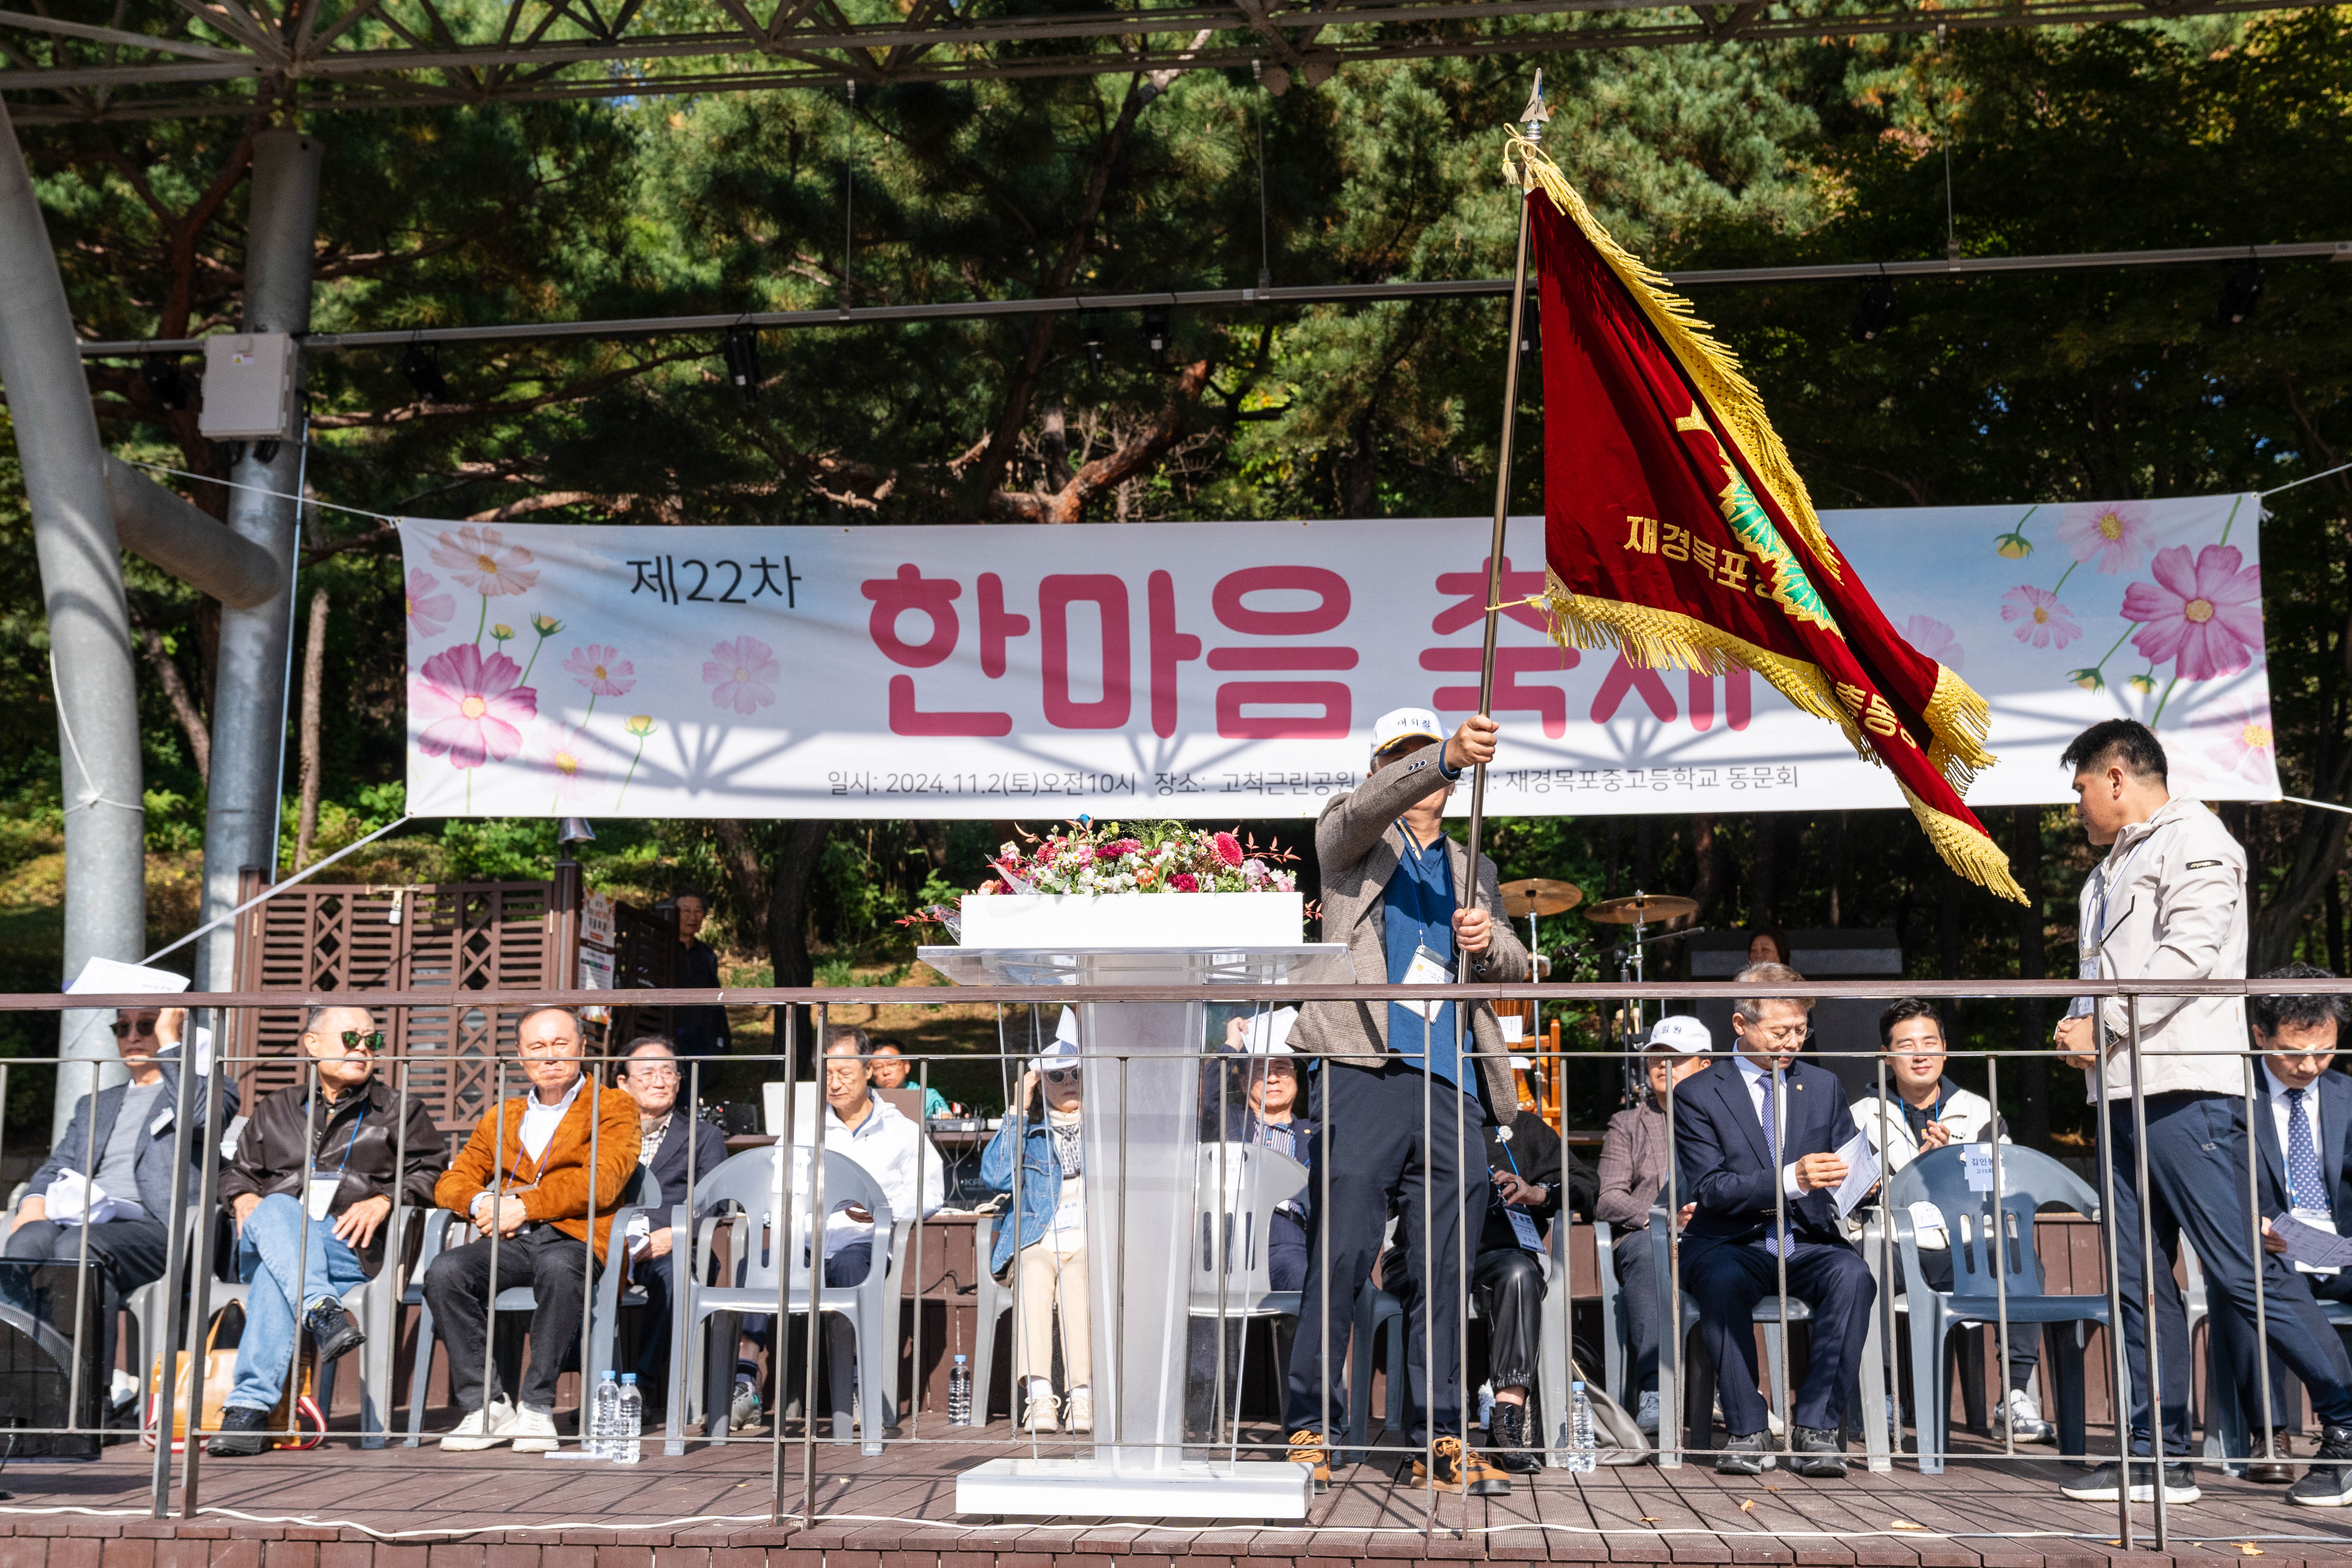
[1642, 908]
[1539, 896]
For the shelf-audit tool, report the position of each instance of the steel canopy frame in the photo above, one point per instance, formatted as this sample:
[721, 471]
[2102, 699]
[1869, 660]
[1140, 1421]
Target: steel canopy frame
[199, 58]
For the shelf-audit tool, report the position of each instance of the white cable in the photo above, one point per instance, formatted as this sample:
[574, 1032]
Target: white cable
[89, 796]
[303, 1521]
[264, 490]
[2265, 495]
[311, 870]
[2322, 805]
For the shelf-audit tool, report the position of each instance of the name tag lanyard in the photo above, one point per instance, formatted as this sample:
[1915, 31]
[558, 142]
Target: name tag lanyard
[1523, 1224]
[1427, 967]
[323, 1184]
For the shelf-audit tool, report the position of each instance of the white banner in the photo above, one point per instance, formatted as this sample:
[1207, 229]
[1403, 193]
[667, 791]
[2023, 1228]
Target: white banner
[1233, 670]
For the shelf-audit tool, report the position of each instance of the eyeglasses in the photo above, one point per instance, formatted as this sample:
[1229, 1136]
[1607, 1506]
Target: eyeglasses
[125, 1027]
[370, 1040]
[652, 1072]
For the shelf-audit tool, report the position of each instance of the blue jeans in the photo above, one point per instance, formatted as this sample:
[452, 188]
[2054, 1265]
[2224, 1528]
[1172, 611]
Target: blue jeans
[269, 1258]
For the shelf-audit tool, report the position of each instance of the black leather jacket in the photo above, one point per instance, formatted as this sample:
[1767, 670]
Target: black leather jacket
[273, 1155]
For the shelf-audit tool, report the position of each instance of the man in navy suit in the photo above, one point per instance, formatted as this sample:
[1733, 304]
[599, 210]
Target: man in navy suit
[1759, 1205]
[670, 1133]
[2303, 1130]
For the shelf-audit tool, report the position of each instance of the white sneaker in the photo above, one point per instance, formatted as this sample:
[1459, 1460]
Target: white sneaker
[1044, 1416]
[2022, 1415]
[484, 1428]
[1078, 1414]
[1646, 1419]
[743, 1407]
[533, 1430]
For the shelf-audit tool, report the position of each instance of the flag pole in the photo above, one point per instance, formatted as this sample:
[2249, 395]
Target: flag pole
[1533, 116]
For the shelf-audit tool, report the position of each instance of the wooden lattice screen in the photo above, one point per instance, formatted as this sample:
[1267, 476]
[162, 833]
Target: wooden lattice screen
[461, 937]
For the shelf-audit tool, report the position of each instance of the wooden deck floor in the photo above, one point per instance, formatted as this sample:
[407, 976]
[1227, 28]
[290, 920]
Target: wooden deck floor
[896, 1510]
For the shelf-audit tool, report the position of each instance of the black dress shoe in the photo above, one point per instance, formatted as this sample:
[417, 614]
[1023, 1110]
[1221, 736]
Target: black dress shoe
[1748, 1455]
[2272, 1471]
[1817, 1454]
[332, 1331]
[1507, 1427]
[245, 1431]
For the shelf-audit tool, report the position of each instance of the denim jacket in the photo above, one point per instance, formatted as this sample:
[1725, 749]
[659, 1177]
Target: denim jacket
[1041, 1184]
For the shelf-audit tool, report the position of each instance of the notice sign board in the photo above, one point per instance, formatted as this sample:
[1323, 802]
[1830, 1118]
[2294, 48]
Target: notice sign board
[1220, 670]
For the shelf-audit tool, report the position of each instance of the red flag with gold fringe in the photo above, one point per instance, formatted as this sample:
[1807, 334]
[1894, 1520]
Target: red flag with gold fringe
[1677, 530]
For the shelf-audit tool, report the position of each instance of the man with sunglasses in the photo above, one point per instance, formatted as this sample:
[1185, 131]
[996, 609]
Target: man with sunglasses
[1756, 1150]
[108, 1181]
[311, 1187]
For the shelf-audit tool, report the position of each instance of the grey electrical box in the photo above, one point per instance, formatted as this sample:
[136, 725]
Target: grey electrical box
[248, 387]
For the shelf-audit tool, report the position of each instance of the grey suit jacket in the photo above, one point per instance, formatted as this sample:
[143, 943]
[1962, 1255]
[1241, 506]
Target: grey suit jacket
[86, 1137]
[1360, 847]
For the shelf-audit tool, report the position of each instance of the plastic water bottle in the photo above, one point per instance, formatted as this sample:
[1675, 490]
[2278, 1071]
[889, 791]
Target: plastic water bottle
[604, 1419]
[960, 1393]
[626, 1446]
[1486, 1402]
[1584, 1448]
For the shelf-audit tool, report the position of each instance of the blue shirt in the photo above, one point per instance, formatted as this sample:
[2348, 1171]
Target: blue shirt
[1417, 912]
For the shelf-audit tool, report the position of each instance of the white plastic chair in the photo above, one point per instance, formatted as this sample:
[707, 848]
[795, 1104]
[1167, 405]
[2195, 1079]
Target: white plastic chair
[746, 1184]
[1240, 1187]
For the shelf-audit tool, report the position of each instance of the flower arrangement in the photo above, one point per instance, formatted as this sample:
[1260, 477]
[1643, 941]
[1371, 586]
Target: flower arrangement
[1096, 857]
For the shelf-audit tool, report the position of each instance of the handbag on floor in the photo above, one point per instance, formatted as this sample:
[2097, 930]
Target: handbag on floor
[298, 1405]
[1618, 1441]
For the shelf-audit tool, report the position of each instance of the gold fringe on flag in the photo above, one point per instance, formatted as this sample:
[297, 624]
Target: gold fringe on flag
[1972, 853]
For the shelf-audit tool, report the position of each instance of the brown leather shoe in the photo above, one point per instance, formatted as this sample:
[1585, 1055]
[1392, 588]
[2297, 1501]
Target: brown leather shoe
[2266, 1472]
[1460, 1469]
[1306, 1448]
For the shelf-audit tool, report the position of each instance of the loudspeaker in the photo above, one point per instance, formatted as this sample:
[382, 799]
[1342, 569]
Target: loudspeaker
[37, 1356]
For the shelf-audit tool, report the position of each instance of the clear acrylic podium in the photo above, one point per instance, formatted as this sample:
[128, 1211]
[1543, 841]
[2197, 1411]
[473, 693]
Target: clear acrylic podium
[1142, 1127]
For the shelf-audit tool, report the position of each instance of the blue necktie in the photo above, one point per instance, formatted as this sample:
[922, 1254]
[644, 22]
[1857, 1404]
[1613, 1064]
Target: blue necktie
[1773, 1137]
[2307, 1186]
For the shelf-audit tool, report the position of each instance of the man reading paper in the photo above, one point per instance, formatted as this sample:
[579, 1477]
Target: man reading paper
[1756, 1150]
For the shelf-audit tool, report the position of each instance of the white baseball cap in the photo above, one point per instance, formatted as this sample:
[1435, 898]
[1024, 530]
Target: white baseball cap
[1404, 724]
[1062, 1051]
[1682, 1035]
[1269, 1033]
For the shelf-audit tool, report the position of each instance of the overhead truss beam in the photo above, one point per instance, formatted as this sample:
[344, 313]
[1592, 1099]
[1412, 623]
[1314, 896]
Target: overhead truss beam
[1227, 299]
[145, 59]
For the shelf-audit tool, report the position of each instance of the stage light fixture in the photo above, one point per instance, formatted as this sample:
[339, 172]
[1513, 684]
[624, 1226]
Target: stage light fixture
[1092, 339]
[165, 383]
[1877, 312]
[743, 354]
[1156, 336]
[422, 370]
[2241, 293]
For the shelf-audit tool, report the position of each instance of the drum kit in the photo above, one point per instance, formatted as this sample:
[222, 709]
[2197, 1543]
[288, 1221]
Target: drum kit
[1536, 896]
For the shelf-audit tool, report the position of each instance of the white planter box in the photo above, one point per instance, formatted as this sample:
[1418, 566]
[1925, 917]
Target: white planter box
[1063, 922]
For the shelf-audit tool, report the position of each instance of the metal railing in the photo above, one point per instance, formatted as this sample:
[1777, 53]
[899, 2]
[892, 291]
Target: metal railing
[191, 1252]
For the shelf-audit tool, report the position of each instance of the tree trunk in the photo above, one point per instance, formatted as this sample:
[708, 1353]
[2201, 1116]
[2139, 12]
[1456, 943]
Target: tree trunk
[2031, 1074]
[183, 706]
[314, 670]
[1764, 867]
[770, 873]
[1705, 850]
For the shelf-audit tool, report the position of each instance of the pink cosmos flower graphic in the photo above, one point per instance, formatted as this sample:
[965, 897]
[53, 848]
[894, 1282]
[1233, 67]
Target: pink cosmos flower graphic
[2039, 617]
[428, 612]
[1935, 640]
[600, 668]
[563, 750]
[2207, 617]
[481, 559]
[470, 707]
[2248, 747]
[741, 675]
[2114, 534]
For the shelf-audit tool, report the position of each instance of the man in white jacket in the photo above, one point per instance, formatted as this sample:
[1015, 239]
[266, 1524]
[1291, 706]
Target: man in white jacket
[2168, 902]
[1927, 1110]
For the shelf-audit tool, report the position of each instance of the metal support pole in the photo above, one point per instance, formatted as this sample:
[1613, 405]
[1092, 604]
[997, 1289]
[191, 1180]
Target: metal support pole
[250, 711]
[200, 1290]
[89, 624]
[2120, 1353]
[2255, 1241]
[2148, 1277]
[174, 1255]
[815, 1276]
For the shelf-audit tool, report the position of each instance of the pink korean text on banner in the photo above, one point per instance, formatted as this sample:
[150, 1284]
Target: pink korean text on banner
[1221, 670]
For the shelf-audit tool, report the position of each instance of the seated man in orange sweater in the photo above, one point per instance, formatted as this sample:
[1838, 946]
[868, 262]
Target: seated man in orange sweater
[525, 1173]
